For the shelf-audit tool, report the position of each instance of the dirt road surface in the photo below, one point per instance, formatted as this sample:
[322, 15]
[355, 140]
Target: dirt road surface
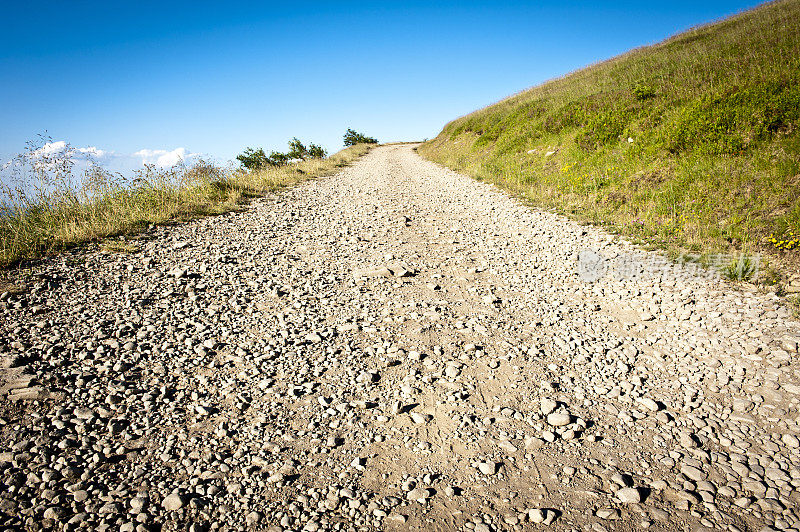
[396, 347]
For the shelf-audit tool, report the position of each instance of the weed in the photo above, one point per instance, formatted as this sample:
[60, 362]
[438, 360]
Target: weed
[741, 268]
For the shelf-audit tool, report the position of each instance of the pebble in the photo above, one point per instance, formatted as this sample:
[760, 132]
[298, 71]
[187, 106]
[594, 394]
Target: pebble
[236, 373]
[558, 419]
[628, 495]
[487, 468]
[173, 502]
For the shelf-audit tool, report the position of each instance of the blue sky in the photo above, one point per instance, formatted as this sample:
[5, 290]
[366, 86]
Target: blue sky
[213, 78]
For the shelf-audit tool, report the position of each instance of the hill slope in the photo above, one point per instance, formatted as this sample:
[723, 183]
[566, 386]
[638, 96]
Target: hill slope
[692, 144]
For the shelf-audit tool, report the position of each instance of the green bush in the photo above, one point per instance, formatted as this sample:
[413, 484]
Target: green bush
[298, 150]
[726, 123]
[253, 159]
[351, 138]
[316, 152]
[602, 129]
[277, 158]
[643, 92]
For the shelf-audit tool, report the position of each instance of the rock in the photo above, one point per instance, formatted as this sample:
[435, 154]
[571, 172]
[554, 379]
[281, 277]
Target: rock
[418, 494]
[609, 514]
[535, 515]
[558, 419]
[628, 495]
[173, 502]
[693, 473]
[488, 468]
[55, 513]
[547, 406]
[27, 394]
[790, 440]
[649, 404]
[313, 338]
[138, 504]
[372, 272]
[416, 417]
[541, 516]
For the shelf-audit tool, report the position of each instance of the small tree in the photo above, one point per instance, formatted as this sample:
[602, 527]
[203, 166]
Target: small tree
[253, 159]
[352, 138]
[316, 152]
[277, 158]
[297, 150]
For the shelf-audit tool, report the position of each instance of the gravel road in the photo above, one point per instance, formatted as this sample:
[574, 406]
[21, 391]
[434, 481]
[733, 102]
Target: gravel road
[396, 347]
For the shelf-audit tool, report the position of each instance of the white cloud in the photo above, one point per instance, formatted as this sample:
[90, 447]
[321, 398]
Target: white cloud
[51, 148]
[125, 163]
[93, 151]
[164, 158]
[60, 147]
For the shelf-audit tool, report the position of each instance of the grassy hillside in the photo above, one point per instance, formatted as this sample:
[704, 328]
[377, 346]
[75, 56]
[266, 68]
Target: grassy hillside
[691, 144]
[60, 215]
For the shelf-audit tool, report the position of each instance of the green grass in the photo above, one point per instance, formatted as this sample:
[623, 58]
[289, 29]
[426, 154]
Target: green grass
[691, 144]
[54, 215]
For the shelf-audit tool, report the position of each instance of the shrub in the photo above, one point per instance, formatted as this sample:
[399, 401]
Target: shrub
[298, 150]
[352, 138]
[253, 159]
[316, 152]
[643, 92]
[277, 158]
[602, 129]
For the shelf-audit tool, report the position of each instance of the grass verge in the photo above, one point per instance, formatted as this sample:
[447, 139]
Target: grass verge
[59, 216]
[690, 145]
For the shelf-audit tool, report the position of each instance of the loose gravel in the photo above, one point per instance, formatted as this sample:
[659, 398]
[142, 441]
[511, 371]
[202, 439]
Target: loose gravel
[395, 347]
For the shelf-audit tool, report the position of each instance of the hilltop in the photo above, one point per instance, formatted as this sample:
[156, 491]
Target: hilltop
[689, 145]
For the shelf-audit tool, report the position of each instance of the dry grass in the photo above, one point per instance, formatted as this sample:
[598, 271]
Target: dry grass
[52, 214]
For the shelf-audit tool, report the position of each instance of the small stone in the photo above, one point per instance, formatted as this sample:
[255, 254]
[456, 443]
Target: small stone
[790, 440]
[628, 495]
[253, 518]
[547, 406]
[535, 515]
[558, 419]
[418, 494]
[487, 468]
[416, 417]
[54, 512]
[609, 514]
[173, 502]
[649, 404]
[692, 473]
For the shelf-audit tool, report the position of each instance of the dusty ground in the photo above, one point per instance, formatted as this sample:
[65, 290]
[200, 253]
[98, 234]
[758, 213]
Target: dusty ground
[396, 347]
